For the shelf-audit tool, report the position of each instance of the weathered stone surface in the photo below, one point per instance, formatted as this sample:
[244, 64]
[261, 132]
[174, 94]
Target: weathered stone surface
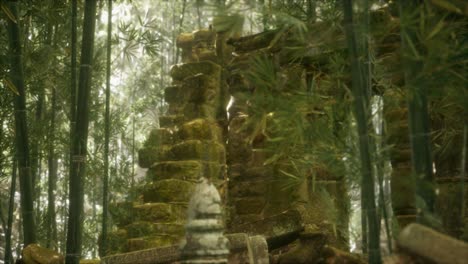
[120, 213]
[277, 229]
[248, 188]
[169, 228]
[182, 71]
[204, 240]
[154, 241]
[249, 205]
[194, 110]
[35, 254]
[171, 120]
[307, 251]
[159, 137]
[201, 129]
[161, 255]
[175, 94]
[170, 190]
[149, 155]
[139, 229]
[253, 42]
[159, 212]
[116, 242]
[433, 246]
[200, 89]
[190, 170]
[199, 150]
[258, 250]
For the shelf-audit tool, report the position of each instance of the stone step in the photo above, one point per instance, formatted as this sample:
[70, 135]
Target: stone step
[147, 156]
[249, 205]
[120, 213]
[248, 188]
[202, 129]
[141, 243]
[198, 150]
[182, 71]
[145, 228]
[198, 88]
[116, 242]
[160, 212]
[168, 190]
[160, 136]
[189, 170]
[171, 120]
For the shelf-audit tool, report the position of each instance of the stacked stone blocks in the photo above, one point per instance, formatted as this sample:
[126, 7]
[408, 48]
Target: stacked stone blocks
[188, 145]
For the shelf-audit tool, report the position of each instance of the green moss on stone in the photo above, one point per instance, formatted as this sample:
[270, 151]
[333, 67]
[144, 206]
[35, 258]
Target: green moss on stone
[158, 137]
[142, 243]
[249, 205]
[190, 170]
[149, 155]
[169, 229]
[116, 242]
[170, 190]
[160, 212]
[202, 129]
[121, 213]
[171, 120]
[182, 71]
[195, 110]
[197, 149]
[139, 229]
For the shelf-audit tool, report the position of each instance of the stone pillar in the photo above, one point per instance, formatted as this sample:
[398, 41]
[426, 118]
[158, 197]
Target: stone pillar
[188, 145]
[205, 242]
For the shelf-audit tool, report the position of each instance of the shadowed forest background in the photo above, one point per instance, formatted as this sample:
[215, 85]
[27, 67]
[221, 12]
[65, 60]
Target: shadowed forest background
[352, 113]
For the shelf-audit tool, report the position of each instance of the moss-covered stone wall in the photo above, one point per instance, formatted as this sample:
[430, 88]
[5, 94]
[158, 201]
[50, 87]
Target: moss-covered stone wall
[188, 144]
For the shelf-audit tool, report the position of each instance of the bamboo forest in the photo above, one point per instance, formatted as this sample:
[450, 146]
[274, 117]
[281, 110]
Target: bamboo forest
[233, 131]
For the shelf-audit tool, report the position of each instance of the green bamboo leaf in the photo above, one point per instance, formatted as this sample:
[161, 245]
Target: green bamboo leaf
[8, 13]
[411, 45]
[437, 28]
[447, 5]
[289, 175]
[10, 85]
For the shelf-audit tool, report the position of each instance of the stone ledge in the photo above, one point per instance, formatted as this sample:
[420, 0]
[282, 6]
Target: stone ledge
[160, 212]
[170, 190]
[189, 170]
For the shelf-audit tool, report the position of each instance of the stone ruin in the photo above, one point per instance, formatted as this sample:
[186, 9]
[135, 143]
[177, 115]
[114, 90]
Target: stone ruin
[196, 138]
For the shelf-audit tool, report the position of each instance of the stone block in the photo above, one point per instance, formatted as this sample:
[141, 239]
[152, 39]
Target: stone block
[169, 254]
[139, 229]
[160, 212]
[431, 245]
[170, 190]
[194, 110]
[157, 241]
[248, 189]
[201, 129]
[121, 213]
[249, 205]
[116, 242]
[147, 156]
[171, 120]
[174, 229]
[199, 150]
[278, 229]
[190, 170]
[158, 137]
[182, 71]
[175, 94]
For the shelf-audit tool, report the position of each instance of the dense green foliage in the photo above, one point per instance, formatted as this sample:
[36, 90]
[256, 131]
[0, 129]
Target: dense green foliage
[312, 129]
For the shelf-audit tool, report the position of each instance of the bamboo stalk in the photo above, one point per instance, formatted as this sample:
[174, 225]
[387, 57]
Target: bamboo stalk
[360, 88]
